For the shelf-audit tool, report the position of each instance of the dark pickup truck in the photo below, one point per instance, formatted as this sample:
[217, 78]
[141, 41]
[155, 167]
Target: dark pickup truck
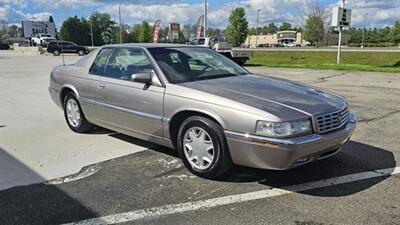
[57, 47]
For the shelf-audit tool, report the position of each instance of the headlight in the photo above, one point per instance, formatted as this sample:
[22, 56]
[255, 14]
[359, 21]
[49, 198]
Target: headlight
[282, 129]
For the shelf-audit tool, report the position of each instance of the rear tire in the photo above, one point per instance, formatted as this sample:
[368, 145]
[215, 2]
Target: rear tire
[203, 148]
[56, 52]
[74, 116]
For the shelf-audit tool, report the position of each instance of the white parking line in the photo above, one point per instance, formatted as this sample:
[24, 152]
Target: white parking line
[209, 203]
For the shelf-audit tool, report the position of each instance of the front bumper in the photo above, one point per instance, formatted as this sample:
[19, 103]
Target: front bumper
[281, 154]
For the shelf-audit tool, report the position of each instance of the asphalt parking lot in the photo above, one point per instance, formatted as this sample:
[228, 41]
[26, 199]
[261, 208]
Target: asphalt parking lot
[50, 175]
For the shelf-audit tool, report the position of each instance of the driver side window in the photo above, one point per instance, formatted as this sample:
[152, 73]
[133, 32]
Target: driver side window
[124, 62]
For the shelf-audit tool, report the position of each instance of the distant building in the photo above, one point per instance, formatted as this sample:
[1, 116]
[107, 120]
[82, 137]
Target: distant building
[332, 39]
[273, 40]
[291, 37]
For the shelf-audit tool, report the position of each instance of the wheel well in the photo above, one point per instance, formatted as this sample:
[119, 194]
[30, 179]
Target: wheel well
[178, 119]
[64, 93]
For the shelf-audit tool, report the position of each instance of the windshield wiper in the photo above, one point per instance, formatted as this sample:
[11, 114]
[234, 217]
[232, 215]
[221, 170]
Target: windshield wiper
[217, 76]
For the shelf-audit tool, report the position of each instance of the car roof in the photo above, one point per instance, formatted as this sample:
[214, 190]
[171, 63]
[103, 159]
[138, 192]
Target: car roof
[150, 45]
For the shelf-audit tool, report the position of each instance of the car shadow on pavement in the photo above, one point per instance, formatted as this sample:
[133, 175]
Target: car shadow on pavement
[100, 130]
[354, 158]
[36, 203]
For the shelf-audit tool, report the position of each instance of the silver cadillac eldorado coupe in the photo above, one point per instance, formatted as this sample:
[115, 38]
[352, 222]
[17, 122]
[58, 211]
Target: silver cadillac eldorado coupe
[214, 112]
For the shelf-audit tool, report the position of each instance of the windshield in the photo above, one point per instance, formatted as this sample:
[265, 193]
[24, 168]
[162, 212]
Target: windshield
[45, 35]
[190, 64]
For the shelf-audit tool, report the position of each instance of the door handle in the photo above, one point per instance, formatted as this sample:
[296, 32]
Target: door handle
[102, 85]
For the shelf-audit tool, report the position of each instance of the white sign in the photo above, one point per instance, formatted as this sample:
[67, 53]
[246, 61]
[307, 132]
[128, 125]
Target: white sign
[341, 17]
[32, 28]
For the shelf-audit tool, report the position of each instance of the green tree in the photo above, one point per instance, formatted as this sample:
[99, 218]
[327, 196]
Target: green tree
[134, 33]
[285, 26]
[163, 35]
[395, 33]
[103, 27]
[76, 30]
[126, 37]
[145, 33]
[180, 40]
[271, 28]
[214, 32]
[237, 29]
[252, 31]
[315, 28]
[384, 34]
[189, 30]
[13, 31]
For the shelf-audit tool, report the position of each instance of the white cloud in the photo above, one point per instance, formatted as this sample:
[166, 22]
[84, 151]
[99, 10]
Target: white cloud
[181, 13]
[3, 13]
[12, 15]
[17, 3]
[68, 4]
[43, 16]
[379, 12]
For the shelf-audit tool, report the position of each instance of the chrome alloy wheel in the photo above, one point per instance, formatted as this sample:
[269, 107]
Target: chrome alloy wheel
[73, 113]
[198, 148]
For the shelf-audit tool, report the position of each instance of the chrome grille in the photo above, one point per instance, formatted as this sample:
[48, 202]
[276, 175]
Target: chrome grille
[332, 121]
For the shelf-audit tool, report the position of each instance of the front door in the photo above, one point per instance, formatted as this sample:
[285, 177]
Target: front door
[128, 105]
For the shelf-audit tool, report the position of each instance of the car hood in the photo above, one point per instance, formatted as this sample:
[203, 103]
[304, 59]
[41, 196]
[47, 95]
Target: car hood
[272, 95]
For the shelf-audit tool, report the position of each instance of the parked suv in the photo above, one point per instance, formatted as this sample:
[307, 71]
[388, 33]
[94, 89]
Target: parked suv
[57, 47]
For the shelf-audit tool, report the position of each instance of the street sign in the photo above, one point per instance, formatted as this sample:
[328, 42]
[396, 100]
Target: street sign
[32, 28]
[341, 17]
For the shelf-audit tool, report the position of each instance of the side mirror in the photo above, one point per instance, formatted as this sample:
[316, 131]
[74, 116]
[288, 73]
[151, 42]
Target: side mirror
[142, 77]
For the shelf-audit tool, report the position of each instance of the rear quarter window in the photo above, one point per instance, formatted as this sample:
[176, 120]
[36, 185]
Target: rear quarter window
[100, 62]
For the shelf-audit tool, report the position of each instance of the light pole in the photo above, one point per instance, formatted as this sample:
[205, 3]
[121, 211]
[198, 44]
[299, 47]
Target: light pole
[91, 30]
[258, 11]
[363, 33]
[205, 18]
[340, 40]
[120, 23]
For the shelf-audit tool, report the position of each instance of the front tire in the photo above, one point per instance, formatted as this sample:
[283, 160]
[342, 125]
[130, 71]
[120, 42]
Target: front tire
[203, 148]
[81, 53]
[74, 116]
[56, 52]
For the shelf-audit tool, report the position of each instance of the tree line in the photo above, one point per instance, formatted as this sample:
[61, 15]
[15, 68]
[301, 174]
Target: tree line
[105, 30]
[375, 37]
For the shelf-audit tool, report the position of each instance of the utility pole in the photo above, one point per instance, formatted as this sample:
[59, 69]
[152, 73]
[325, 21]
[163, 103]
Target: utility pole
[91, 29]
[363, 33]
[258, 11]
[120, 23]
[205, 18]
[340, 39]
[91, 32]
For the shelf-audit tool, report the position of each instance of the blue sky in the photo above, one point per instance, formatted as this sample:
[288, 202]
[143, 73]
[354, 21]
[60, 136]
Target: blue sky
[380, 12]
